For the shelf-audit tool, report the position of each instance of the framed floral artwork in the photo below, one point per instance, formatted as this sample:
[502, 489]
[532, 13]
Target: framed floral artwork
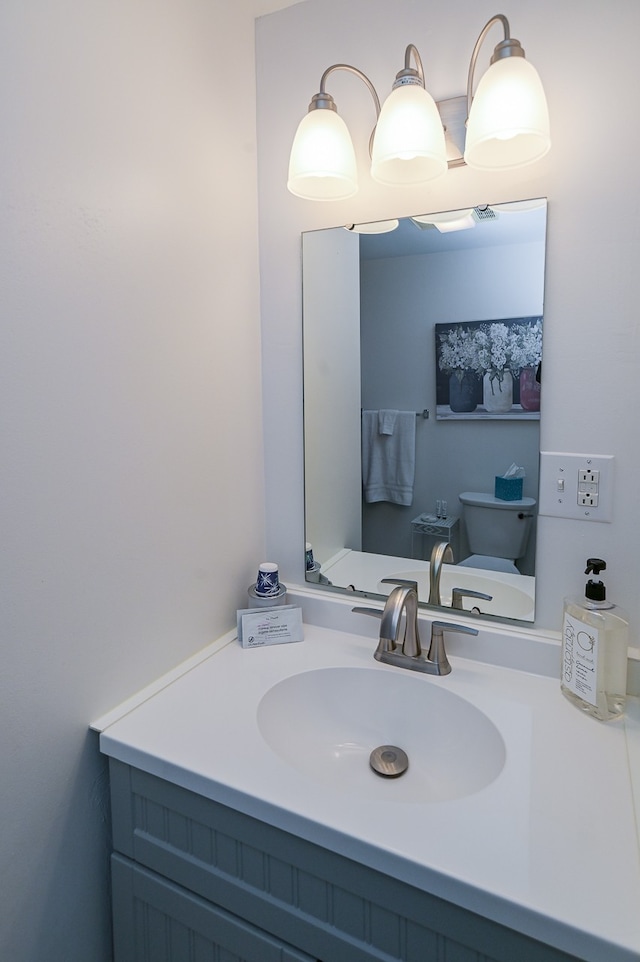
[489, 369]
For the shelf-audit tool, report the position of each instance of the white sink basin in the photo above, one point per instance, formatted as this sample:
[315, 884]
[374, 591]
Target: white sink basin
[507, 599]
[327, 722]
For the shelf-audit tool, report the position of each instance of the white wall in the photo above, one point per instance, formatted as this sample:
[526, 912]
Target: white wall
[332, 394]
[592, 332]
[132, 498]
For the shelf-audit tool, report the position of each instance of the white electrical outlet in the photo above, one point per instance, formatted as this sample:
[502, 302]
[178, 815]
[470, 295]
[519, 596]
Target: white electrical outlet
[588, 488]
[578, 486]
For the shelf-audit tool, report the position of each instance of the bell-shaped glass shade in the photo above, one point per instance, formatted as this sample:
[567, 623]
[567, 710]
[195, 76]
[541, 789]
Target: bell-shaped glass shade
[322, 165]
[408, 147]
[508, 122]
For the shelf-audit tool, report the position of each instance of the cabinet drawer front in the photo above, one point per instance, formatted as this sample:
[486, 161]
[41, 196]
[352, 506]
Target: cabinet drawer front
[157, 921]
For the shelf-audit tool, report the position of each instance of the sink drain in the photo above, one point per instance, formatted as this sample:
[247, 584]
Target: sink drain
[389, 761]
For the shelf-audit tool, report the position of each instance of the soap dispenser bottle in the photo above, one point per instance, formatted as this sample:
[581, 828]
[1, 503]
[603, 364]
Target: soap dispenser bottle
[595, 639]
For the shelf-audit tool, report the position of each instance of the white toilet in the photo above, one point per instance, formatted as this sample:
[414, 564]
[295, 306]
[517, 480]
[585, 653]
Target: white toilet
[497, 531]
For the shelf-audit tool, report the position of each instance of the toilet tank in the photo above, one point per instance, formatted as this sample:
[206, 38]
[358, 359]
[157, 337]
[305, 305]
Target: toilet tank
[497, 528]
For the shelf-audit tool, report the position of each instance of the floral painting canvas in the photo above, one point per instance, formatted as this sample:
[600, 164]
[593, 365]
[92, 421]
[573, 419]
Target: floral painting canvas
[489, 369]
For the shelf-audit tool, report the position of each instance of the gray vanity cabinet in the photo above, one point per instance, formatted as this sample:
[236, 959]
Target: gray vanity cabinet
[194, 880]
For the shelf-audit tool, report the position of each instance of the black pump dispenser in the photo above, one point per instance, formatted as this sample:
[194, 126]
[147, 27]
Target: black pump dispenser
[595, 590]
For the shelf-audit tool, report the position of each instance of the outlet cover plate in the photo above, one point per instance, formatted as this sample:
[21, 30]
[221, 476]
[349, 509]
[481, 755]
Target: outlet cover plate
[559, 475]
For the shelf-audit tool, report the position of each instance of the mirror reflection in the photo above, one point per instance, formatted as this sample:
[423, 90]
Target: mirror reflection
[422, 386]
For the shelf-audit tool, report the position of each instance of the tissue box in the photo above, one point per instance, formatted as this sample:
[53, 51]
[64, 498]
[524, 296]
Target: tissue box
[509, 489]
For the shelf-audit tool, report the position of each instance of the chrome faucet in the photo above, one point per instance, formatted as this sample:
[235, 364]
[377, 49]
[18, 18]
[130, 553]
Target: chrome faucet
[406, 652]
[402, 600]
[442, 552]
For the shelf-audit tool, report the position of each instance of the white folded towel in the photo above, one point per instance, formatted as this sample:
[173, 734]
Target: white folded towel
[386, 421]
[388, 460]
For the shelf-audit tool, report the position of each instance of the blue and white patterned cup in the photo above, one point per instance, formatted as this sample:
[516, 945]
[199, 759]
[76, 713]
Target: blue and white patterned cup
[267, 582]
[309, 562]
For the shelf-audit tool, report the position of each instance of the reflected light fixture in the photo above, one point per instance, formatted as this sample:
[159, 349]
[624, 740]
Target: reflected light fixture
[462, 223]
[449, 221]
[374, 227]
[415, 140]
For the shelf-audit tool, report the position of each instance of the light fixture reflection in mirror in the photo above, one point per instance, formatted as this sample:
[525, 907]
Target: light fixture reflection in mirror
[370, 307]
[449, 221]
[374, 227]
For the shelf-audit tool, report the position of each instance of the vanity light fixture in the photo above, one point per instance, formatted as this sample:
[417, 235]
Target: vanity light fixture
[415, 140]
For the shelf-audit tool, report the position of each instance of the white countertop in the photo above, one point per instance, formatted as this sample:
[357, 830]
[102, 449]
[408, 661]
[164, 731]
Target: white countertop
[550, 848]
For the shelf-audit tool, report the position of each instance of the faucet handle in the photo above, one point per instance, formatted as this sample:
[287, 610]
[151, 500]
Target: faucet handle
[360, 610]
[451, 626]
[400, 581]
[459, 593]
[437, 654]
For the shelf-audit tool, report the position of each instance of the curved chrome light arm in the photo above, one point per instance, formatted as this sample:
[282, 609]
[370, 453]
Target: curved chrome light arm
[506, 48]
[324, 99]
[410, 74]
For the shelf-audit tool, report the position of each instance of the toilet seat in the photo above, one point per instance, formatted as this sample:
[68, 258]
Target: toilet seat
[489, 563]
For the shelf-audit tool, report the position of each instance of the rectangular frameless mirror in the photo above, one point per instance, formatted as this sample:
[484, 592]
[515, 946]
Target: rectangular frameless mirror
[422, 377]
